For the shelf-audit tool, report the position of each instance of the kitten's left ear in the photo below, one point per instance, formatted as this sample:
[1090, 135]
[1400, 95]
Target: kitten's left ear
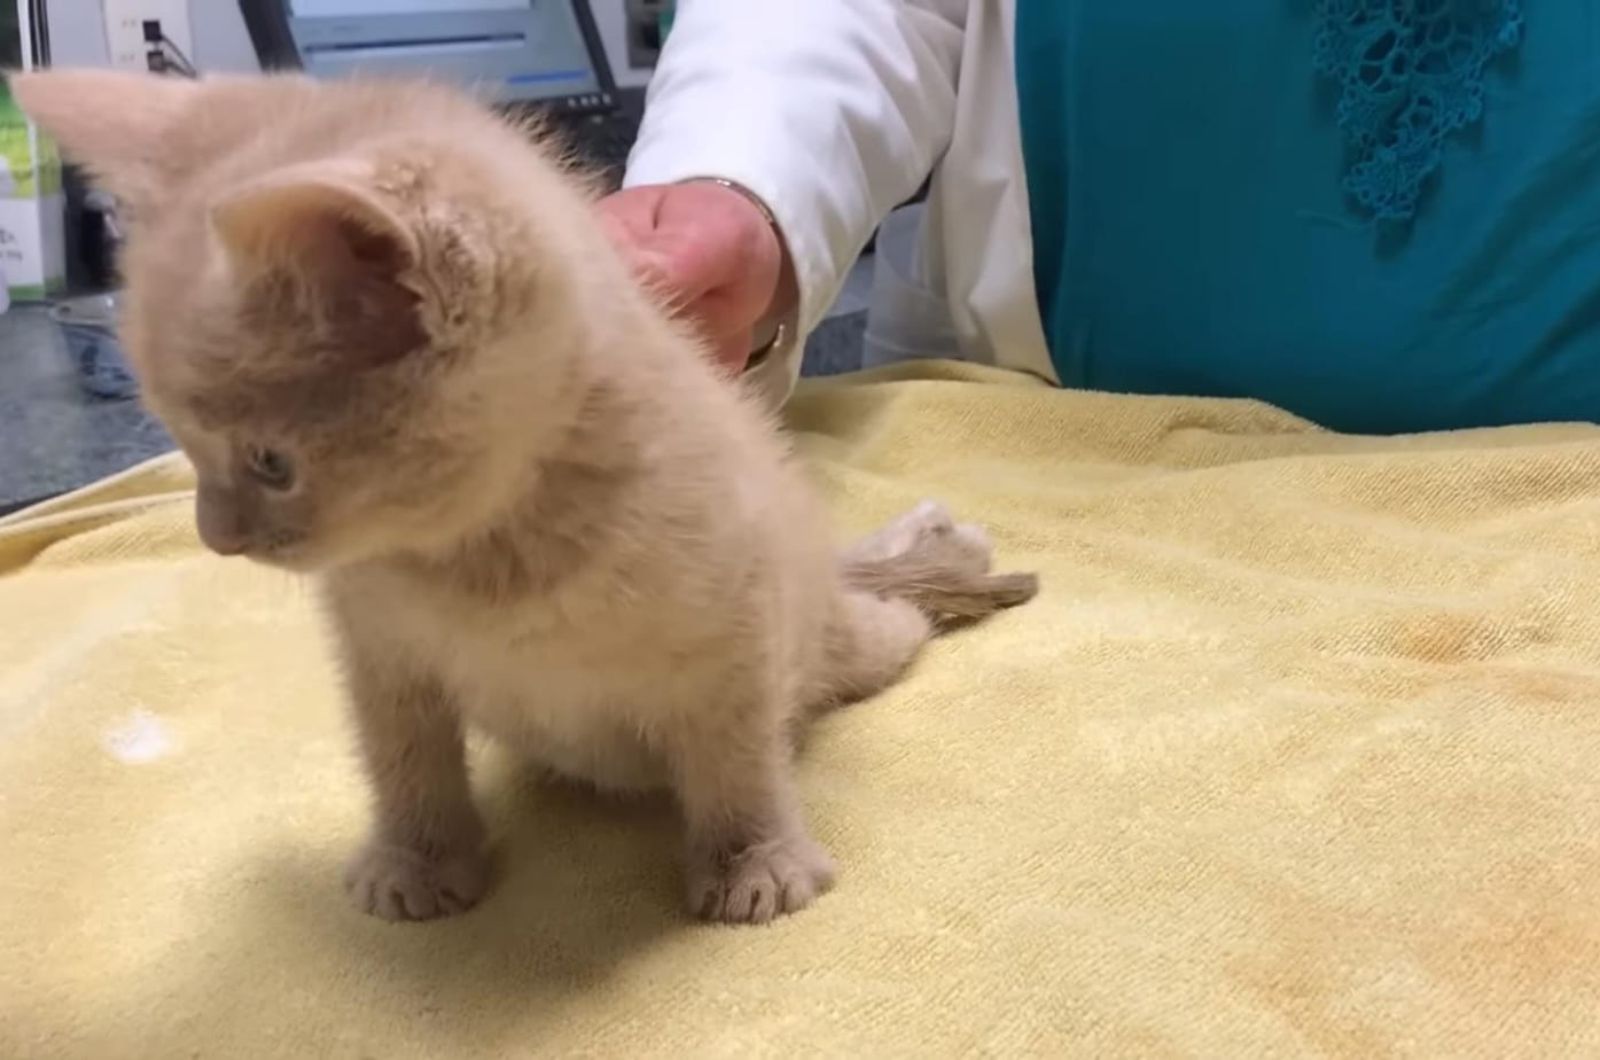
[323, 222]
[117, 124]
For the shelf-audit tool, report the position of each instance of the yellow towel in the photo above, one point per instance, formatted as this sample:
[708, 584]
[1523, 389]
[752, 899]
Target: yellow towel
[1297, 754]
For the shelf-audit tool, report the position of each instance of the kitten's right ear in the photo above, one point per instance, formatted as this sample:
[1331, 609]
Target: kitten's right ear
[322, 217]
[323, 222]
[115, 124]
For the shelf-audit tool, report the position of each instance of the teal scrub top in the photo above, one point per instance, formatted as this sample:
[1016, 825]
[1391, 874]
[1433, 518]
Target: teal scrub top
[1383, 215]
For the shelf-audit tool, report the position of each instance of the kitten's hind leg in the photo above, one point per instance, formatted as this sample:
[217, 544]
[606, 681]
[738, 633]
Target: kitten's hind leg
[749, 857]
[941, 566]
[871, 642]
[906, 532]
[897, 587]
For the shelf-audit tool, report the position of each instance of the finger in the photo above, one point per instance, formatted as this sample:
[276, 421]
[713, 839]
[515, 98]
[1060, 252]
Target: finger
[732, 352]
[698, 261]
[680, 279]
[718, 256]
[655, 273]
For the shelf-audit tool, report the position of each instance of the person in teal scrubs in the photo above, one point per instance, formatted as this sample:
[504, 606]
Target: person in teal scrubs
[1289, 200]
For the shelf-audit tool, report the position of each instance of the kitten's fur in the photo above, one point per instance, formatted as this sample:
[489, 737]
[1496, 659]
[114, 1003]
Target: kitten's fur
[531, 502]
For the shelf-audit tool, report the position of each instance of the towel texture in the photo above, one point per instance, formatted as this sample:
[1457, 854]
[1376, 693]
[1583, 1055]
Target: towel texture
[1298, 753]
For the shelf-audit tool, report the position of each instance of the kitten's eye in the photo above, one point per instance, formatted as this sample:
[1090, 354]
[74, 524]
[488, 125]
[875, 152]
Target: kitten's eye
[269, 467]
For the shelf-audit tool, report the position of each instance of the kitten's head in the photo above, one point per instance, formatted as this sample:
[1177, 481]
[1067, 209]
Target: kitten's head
[323, 285]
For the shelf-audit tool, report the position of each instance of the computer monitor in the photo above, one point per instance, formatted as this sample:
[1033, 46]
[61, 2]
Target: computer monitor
[542, 52]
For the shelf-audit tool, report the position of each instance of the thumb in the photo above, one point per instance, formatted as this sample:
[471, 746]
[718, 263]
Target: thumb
[691, 266]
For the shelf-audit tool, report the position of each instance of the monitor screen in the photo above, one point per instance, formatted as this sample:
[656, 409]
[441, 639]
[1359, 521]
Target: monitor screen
[507, 50]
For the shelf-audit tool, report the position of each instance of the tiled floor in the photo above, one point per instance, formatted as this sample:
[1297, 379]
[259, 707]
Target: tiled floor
[835, 346]
[53, 435]
[56, 437]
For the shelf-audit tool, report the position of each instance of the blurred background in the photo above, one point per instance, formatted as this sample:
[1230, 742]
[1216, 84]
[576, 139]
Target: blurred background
[69, 412]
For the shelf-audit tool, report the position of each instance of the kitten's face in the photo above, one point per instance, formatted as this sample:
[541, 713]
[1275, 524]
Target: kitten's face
[325, 424]
[314, 467]
[325, 336]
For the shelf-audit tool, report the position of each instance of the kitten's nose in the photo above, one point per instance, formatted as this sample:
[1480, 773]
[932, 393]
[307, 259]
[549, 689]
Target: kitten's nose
[220, 522]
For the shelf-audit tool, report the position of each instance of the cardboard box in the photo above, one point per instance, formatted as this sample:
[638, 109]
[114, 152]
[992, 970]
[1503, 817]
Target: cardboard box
[32, 205]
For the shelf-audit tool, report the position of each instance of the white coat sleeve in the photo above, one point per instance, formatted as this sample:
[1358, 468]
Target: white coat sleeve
[831, 111]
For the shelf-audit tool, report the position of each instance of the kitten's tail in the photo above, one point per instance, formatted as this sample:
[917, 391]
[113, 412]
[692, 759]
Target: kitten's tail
[926, 558]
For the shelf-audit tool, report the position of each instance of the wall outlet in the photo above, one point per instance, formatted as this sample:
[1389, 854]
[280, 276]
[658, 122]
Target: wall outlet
[125, 30]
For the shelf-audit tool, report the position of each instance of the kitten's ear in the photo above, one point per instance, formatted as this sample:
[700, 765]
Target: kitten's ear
[115, 124]
[320, 218]
[357, 258]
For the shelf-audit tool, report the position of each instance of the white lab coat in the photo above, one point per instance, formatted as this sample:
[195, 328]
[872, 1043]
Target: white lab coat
[833, 112]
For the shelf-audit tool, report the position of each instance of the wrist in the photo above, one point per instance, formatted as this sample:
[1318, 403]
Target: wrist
[775, 331]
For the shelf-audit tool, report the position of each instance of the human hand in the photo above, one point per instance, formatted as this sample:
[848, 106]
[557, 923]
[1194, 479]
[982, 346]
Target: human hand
[710, 251]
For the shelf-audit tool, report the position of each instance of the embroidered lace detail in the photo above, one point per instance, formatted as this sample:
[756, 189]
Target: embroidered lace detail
[1410, 73]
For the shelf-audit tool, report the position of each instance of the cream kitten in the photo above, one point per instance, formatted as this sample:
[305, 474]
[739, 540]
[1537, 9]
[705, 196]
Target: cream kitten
[389, 333]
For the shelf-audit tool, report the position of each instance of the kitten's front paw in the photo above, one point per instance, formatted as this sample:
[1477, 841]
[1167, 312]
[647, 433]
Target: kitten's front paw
[754, 885]
[398, 884]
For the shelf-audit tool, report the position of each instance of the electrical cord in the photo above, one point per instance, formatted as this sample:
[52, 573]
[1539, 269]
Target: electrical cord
[163, 55]
[176, 60]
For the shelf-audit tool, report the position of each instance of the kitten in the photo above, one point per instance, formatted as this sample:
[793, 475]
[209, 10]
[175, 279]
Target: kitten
[386, 327]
